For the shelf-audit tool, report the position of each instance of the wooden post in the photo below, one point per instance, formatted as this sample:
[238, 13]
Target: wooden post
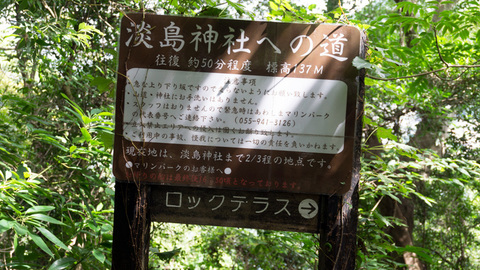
[338, 238]
[131, 230]
[322, 231]
[338, 228]
[338, 232]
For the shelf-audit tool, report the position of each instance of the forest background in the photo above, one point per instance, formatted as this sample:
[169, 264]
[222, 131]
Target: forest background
[419, 188]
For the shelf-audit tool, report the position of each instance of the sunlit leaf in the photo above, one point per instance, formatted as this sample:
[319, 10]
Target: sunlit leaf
[42, 217]
[39, 208]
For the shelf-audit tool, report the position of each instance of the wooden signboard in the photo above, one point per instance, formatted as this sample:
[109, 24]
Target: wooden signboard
[236, 123]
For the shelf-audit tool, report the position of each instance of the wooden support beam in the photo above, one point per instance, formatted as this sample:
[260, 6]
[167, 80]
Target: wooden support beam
[131, 231]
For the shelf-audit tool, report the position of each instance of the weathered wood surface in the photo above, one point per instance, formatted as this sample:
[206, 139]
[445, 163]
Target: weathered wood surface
[261, 210]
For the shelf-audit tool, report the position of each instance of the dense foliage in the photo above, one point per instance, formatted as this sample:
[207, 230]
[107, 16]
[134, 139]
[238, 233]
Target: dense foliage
[419, 192]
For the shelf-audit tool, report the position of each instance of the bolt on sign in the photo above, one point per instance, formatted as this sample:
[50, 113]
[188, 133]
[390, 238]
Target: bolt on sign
[237, 105]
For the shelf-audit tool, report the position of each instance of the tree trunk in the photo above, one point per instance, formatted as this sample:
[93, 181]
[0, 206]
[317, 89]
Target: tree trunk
[402, 235]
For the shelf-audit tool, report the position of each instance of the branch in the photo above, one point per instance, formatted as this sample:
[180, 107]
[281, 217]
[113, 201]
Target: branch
[423, 73]
[464, 66]
[406, 77]
[438, 47]
[7, 49]
[443, 258]
[54, 15]
[447, 66]
[453, 79]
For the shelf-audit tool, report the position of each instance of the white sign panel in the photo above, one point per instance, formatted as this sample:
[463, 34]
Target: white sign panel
[234, 110]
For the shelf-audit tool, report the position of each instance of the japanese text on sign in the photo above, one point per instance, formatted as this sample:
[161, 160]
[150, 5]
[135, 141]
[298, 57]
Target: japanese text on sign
[236, 41]
[230, 110]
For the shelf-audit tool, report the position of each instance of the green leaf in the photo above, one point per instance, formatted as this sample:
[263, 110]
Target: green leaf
[427, 200]
[73, 148]
[464, 172]
[8, 175]
[19, 229]
[384, 133]
[39, 208]
[368, 121]
[50, 236]
[381, 219]
[62, 263]
[86, 134]
[103, 84]
[23, 172]
[211, 12]
[420, 252]
[42, 217]
[360, 63]
[41, 42]
[168, 255]
[394, 197]
[105, 114]
[273, 5]
[384, 178]
[40, 243]
[5, 225]
[99, 255]
[107, 138]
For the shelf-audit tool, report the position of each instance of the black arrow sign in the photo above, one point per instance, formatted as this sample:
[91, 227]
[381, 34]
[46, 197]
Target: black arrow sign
[312, 208]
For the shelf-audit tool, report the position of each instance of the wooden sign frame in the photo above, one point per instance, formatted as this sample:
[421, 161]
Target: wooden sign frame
[263, 106]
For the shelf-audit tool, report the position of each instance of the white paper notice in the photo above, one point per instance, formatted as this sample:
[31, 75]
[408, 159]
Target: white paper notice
[233, 110]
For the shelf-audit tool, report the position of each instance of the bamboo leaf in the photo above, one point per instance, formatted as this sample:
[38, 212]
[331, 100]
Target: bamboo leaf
[5, 225]
[19, 229]
[39, 208]
[62, 263]
[40, 243]
[50, 236]
[42, 217]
